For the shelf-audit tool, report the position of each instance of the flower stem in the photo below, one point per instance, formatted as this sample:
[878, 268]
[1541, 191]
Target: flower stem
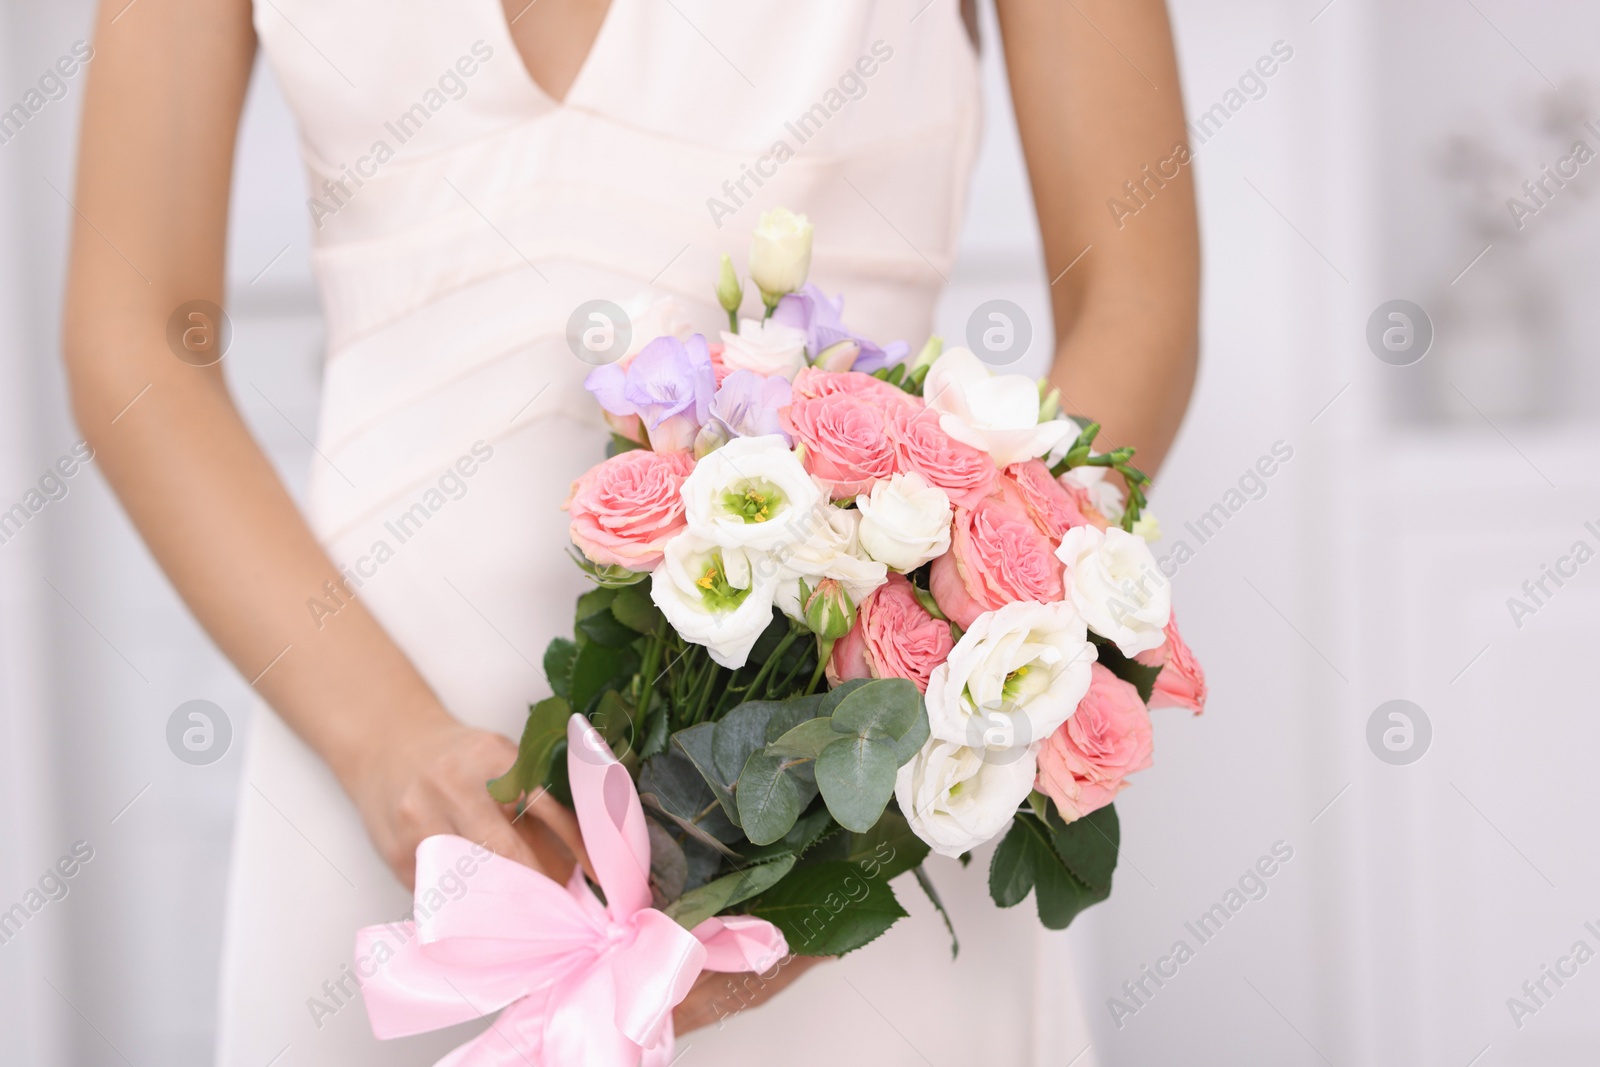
[824, 650]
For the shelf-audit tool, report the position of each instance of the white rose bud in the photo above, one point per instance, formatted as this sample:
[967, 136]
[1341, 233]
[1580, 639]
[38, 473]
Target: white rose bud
[905, 522]
[780, 253]
[1113, 579]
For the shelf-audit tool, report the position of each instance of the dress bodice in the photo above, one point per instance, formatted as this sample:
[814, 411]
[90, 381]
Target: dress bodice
[436, 161]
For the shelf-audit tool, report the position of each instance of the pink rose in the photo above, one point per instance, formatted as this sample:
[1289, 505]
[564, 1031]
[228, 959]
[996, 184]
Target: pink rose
[1082, 766]
[625, 509]
[843, 438]
[1181, 683]
[1081, 500]
[894, 637]
[814, 382]
[966, 474]
[1052, 509]
[997, 556]
[719, 366]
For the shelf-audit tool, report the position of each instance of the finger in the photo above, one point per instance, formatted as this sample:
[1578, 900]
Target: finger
[562, 822]
[490, 828]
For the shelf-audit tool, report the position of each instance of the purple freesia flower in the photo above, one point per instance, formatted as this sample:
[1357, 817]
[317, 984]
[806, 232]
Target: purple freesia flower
[669, 385]
[821, 318]
[747, 403]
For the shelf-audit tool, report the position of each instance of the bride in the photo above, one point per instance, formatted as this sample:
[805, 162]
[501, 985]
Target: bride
[480, 172]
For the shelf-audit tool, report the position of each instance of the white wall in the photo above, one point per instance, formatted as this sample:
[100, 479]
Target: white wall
[1376, 566]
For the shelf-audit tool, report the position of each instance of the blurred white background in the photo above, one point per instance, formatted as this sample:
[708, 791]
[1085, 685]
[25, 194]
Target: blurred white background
[1376, 565]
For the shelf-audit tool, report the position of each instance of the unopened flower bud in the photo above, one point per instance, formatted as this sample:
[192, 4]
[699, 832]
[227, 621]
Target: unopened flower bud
[838, 357]
[730, 294]
[829, 612]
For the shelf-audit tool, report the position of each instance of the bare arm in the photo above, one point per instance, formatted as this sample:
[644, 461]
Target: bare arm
[1095, 86]
[165, 92]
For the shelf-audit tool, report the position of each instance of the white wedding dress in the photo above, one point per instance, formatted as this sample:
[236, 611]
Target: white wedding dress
[462, 215]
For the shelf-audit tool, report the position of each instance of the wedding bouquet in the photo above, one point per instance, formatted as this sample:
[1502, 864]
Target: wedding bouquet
[851, 606]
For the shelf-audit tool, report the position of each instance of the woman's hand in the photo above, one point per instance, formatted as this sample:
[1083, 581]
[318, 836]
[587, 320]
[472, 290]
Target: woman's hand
[717, 996]
[430, 779]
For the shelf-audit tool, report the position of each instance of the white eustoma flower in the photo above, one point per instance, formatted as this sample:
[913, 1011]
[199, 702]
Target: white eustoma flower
[780, 252]
[824, 544]
[1113, 579]
[998, 413]
[1013, 678]
[1104, 495]
[748, 494]
[956, 797]
[905, 522]
[768, 348]
[713, 596]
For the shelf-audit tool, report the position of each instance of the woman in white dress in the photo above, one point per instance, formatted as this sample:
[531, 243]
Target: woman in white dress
[477, 172]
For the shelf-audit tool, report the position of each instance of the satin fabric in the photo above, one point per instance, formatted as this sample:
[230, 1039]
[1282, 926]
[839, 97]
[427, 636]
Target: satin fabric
[580, 981]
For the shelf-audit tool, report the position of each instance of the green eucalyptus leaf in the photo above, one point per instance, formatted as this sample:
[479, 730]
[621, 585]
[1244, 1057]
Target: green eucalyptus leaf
[835, 696]
[911, 742]
[770, 799]
[546, 727]
[739, 733]
[805, 741]
[829, 909]
[884, 707]
[684, 796]
[698, 905]
[695, 744]
[792, 712]
[856, 776]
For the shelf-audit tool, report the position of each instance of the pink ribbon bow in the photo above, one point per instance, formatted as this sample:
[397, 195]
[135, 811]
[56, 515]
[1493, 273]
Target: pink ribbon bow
[580, 981]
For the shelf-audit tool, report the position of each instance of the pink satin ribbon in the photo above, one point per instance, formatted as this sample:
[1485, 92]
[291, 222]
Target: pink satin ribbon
[581, 982]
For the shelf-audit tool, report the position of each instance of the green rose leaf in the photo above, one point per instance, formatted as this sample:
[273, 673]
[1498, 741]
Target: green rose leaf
[603, 628]
[597, 668]
[829, 908]
[698, 905]
[1141, 677]
[888, 849]
[545, 729]
[634, 609]
[856, 776]
[770, 798]
[558, 657]
[1088, 846]
[1027, 861]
